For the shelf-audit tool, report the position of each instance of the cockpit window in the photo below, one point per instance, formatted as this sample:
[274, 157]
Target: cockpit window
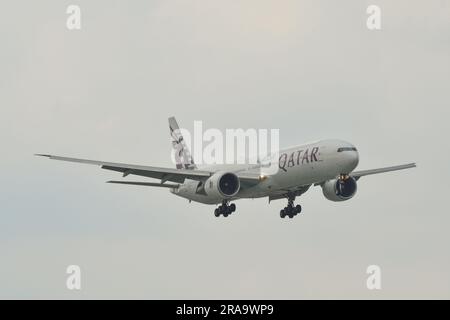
[346, 149]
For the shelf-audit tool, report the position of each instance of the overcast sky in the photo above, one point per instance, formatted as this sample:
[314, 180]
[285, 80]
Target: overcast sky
[310, 68]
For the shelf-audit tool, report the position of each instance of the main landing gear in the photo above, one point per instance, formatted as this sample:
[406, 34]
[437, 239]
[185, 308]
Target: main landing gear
[225, 209]
[290, 210]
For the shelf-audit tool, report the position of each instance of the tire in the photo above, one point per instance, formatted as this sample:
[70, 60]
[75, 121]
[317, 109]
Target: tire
[232, 207]
[217, 212]
[225, 214]
[298, 208]
[282, 213]
[289, 210]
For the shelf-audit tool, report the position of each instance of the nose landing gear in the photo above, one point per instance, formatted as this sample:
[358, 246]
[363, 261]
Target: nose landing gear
[225, 209]
[290, 210]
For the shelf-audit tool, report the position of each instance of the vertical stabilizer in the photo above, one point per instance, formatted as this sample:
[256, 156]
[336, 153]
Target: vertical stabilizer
[183, 156]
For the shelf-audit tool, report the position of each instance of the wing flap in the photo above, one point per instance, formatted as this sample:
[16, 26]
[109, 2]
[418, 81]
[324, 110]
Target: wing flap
[147, 184]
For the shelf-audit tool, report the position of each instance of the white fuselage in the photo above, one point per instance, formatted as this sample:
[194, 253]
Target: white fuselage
[298, 167]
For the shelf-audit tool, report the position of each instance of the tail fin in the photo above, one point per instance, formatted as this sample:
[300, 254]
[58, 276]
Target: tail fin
[183, 157]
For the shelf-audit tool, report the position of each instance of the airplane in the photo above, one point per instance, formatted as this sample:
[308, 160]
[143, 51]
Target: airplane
[329, 164]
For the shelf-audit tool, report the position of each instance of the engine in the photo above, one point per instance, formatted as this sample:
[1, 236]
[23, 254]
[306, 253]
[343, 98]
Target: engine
[340, 189]
[222, 185]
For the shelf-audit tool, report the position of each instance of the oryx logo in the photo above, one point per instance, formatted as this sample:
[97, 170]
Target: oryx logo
[183, 157]
[298, 158]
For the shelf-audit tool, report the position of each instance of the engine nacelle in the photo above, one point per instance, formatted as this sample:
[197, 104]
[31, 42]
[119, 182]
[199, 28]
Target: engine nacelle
[222, 185]
[339, 189]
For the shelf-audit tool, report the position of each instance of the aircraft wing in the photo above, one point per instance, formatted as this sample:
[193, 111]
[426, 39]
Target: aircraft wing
[164, 174]
[359, 174]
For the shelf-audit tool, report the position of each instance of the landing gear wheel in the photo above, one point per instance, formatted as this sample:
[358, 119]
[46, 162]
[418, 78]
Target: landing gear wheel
[290, 210]
[225, 209]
